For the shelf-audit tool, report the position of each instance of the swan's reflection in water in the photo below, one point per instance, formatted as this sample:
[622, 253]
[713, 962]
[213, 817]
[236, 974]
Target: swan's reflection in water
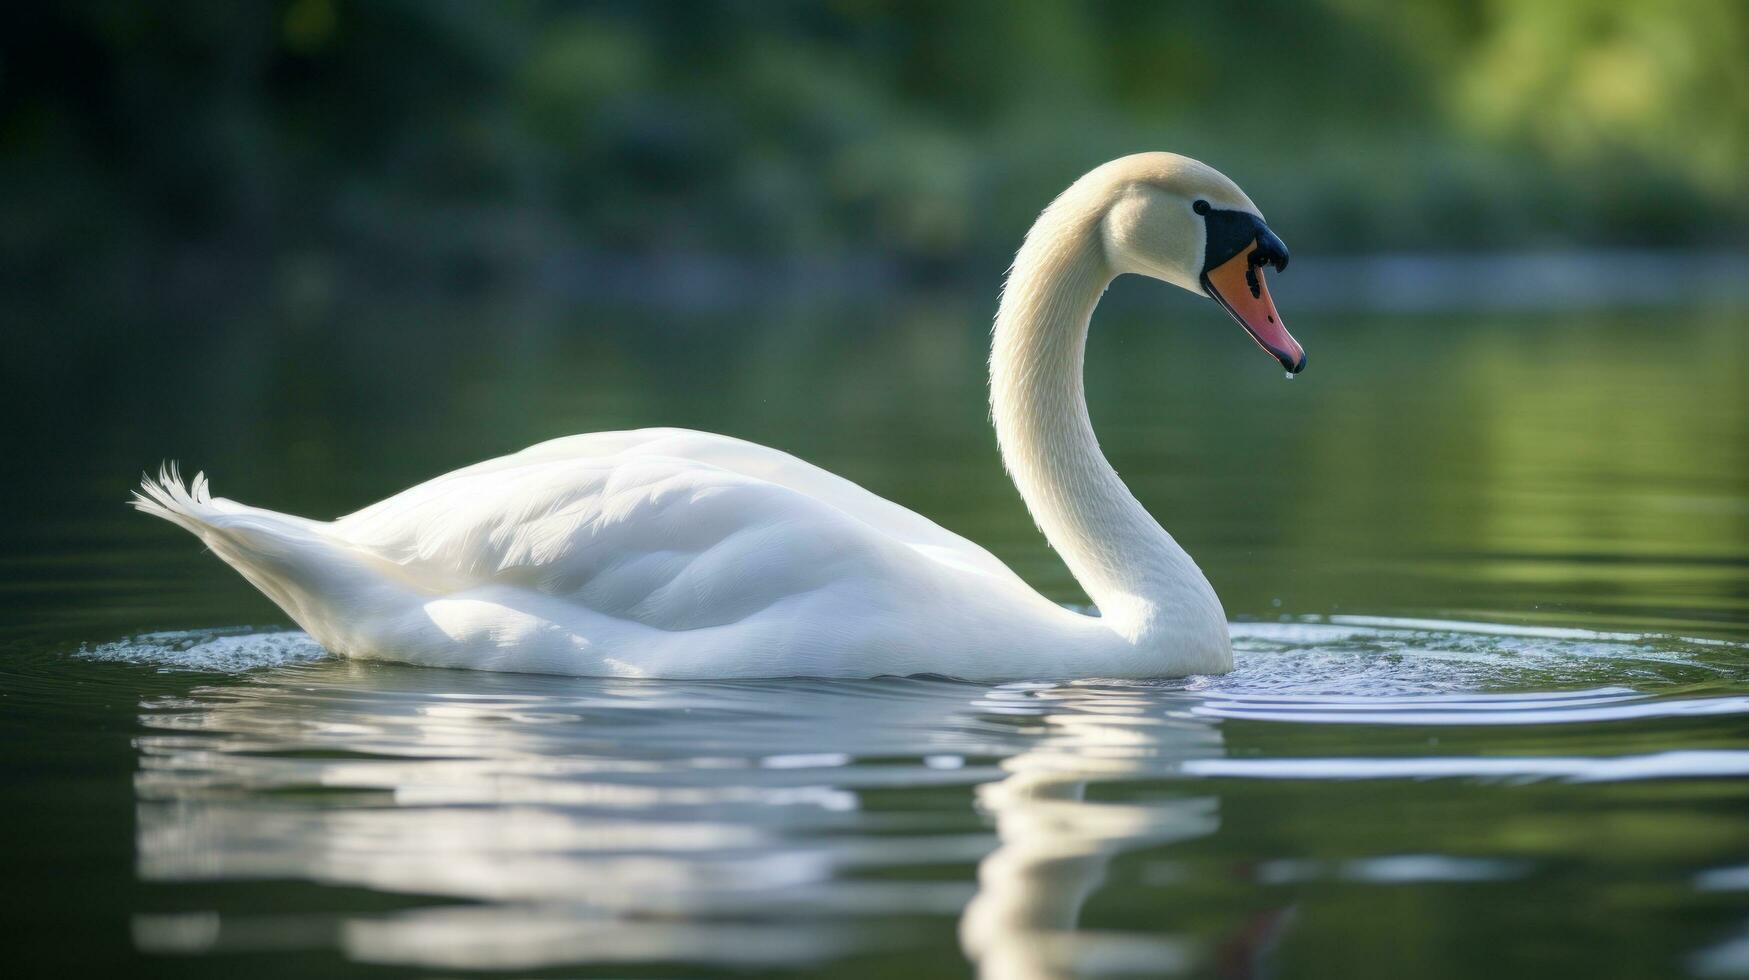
[526, 822]
[442, 820]
[1055, 844]
[450, 820]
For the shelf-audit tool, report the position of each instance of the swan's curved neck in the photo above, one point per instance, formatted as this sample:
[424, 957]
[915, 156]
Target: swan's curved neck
[1142, 581]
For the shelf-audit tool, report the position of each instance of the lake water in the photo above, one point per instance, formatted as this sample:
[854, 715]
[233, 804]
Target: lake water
[1489, 577]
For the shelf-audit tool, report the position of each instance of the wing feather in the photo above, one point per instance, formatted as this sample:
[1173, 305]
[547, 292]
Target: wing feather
[670, 527]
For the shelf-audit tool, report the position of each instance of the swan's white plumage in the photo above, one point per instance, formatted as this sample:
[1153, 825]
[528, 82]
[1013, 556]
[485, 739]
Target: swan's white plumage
[672, 553]
[572, 504]
[660, 552]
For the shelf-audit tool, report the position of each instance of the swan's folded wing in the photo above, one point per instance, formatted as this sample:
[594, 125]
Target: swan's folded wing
[737, 456]
[678, 542]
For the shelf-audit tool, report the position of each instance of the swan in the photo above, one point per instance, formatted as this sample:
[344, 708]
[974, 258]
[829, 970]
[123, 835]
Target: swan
[669, 553]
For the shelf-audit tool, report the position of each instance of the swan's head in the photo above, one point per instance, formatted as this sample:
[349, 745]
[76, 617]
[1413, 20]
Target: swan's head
[1181, 221]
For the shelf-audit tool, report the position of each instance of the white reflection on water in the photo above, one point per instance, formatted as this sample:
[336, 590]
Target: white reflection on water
[529, 822]
[1604, 704]
[1055, 844]
[1579, 769]
[1729, 958]
[1394, 869]
[608, 821]
[592, 821]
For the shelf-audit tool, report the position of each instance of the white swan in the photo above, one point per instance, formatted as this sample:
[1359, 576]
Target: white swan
[671, 553]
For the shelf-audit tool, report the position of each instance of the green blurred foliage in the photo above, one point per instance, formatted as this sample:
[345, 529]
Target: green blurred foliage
[203, 143]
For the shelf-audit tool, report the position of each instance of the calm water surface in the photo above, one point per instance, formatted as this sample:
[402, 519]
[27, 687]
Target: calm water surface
[1489, 577]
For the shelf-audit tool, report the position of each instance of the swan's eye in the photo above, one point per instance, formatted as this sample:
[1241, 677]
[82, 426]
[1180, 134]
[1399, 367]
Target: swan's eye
[1200, 207]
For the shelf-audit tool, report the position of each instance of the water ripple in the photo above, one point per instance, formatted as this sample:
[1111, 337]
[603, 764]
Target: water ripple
[1703, 764]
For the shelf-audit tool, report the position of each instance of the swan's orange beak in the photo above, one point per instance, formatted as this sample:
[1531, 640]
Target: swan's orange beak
[1238, 285]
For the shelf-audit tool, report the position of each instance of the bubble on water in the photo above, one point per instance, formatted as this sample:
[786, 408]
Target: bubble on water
[228, 651]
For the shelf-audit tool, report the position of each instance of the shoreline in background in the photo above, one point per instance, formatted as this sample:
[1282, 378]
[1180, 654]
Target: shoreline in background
[1401, 282]
[1523, 281]
[213, 286]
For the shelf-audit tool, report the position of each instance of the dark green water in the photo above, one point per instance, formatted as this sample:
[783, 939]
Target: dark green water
[1490, 578]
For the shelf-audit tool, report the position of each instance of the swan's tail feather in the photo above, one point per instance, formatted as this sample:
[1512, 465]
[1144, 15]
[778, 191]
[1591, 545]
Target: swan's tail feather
[319, 580]
[165, 496]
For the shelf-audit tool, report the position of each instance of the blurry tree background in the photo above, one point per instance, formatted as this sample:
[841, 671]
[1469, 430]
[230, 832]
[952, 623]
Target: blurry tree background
[183, 151]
